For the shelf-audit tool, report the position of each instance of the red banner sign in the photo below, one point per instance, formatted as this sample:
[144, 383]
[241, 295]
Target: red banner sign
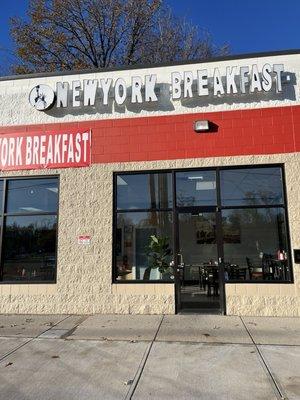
[38, 151]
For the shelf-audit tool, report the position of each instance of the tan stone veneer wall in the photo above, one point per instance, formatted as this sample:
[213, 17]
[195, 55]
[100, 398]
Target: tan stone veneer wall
[84, 272]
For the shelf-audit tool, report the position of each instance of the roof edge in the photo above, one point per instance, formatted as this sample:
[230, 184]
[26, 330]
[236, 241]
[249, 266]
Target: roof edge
[147, 66]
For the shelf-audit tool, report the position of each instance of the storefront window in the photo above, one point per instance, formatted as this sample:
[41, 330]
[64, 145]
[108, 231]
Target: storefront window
[143, 233]
[251, 186]
[233, 219]
[144, 246]
[32, 195]
[29, 230]
[255, 244]
[1, 196]
[254, 231]
[144, 191]
[196, 188]
[29, 248]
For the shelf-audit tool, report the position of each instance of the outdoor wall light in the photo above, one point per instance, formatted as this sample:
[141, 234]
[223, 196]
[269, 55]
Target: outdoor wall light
[201, 126]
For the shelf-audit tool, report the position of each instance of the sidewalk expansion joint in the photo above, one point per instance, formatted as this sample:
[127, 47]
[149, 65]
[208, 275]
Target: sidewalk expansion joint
[279, 392]
[30, 340]
[142, 365]
[15, 349]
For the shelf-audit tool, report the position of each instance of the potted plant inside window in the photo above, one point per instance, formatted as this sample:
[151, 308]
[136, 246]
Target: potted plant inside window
[159, 253]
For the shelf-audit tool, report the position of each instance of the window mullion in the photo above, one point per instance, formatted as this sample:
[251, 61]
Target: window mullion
[2, 226]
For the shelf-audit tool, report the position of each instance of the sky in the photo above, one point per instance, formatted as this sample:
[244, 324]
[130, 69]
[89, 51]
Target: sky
[247, 26]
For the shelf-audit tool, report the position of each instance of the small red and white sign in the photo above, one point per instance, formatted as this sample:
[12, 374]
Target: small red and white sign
[40, 150]
[84, 239]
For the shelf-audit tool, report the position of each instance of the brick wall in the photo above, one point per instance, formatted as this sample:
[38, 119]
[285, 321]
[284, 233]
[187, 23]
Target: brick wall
[242, 132]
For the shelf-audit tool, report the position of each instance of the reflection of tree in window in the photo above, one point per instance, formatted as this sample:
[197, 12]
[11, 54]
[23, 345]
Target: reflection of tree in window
[260, 197]
[183, 200]
[252, 186]
[30, 239]
[255, 230]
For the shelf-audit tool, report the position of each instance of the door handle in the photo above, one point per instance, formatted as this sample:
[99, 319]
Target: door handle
[180, 259]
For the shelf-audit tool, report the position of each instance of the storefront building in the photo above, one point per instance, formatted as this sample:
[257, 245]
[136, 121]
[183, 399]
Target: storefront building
[148, 190]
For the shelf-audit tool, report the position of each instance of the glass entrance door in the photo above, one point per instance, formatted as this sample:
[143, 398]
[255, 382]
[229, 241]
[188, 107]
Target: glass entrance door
[199, 275]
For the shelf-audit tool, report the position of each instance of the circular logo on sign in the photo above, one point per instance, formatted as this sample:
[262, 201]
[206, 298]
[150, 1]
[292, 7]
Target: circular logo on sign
[42, 97]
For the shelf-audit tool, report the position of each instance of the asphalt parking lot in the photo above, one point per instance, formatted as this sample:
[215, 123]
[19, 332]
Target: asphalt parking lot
[66, 357]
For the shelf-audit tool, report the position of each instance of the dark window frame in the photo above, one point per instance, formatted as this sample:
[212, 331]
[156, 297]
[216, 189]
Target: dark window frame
[4, 214]
[219, 207]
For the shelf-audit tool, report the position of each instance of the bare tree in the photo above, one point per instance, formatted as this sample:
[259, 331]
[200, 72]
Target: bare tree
[77, 34]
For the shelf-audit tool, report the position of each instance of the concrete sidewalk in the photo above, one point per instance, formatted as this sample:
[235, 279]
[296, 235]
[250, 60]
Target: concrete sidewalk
[149, 357]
